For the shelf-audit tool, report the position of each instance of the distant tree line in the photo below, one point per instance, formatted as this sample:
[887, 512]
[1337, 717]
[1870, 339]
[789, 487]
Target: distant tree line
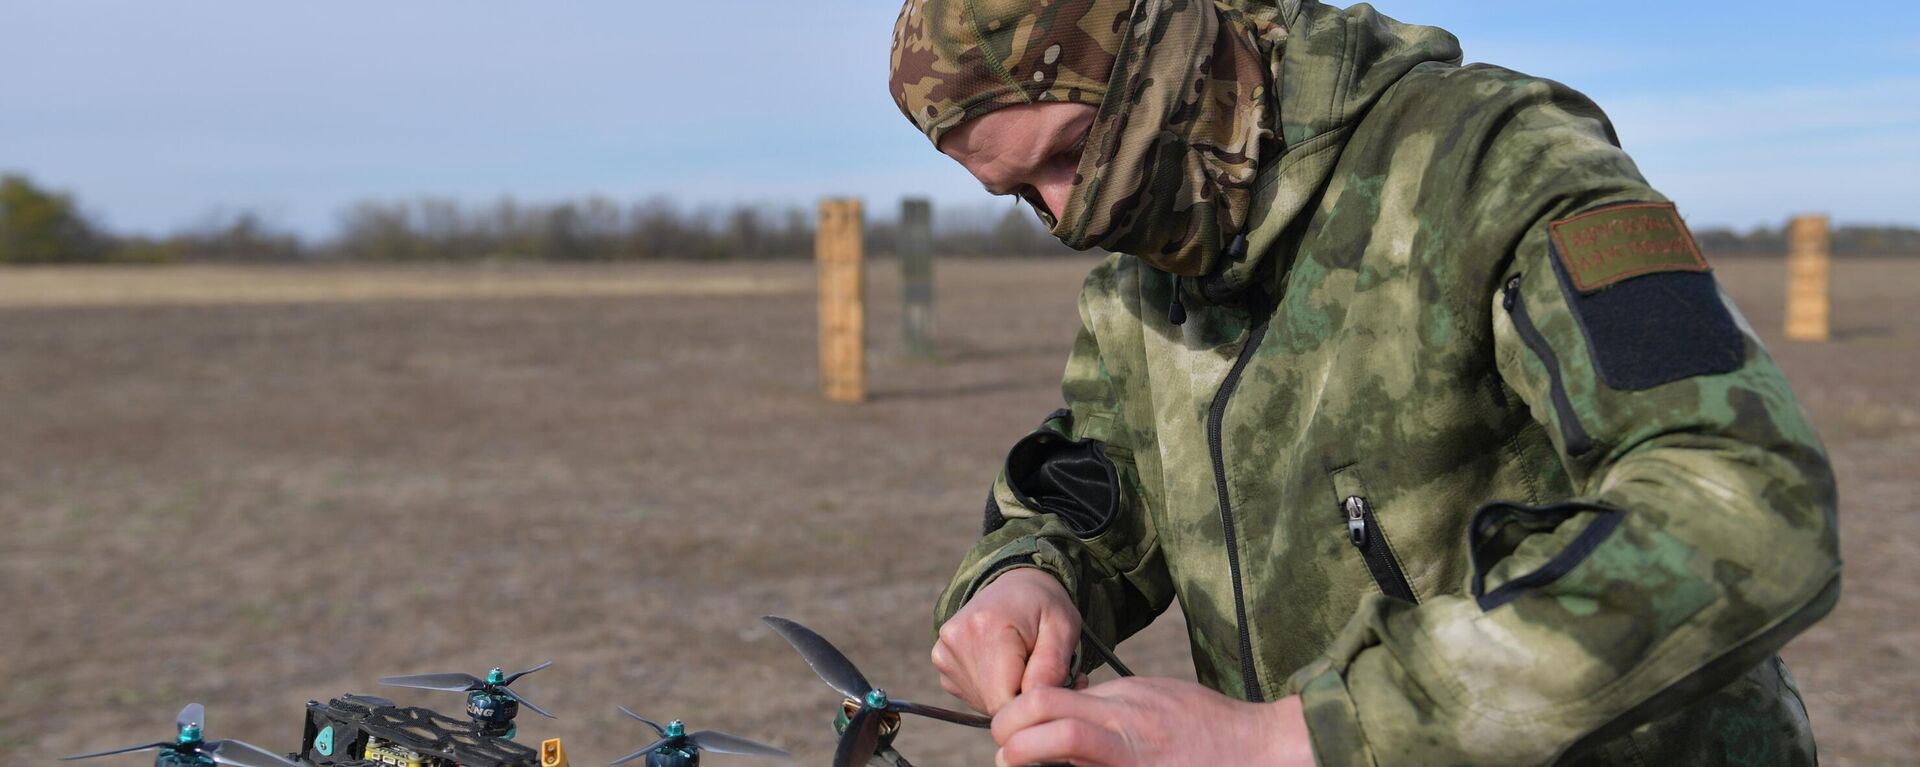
[41, 226]
[1847, 241]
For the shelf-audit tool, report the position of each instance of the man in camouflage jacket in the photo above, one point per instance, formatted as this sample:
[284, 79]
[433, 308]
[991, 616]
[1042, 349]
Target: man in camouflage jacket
[1412, 391]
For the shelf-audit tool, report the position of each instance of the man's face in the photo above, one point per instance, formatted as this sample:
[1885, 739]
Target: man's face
[1030, 150]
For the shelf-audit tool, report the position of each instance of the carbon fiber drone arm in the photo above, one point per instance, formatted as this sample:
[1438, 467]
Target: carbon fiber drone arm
[887, 757]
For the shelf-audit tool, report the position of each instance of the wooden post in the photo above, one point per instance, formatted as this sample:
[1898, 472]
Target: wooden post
[916, 275]
[1809, 274]
[838, 254]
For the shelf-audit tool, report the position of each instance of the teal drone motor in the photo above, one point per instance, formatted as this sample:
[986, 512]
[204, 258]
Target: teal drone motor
[877, 700]
[190, 748]
[679, 748]
[490, 703]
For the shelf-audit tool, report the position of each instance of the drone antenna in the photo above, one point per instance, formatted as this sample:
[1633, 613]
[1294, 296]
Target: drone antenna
[1106, 653]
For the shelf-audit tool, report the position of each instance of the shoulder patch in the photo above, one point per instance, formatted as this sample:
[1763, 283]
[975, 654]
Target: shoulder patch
[1602, 247]
[1643, 296]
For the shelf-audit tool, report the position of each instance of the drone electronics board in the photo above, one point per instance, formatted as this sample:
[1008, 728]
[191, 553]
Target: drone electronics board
[363, 730]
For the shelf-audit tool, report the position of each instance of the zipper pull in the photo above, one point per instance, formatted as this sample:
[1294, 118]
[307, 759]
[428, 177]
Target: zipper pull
[1513, 293]
[1177, 311]
[1357, 521]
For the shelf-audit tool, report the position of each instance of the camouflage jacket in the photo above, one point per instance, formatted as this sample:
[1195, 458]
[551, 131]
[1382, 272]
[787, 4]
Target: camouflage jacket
[1476, 459]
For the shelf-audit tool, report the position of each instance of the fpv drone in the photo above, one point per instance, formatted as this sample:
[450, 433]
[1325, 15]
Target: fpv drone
[369, 731]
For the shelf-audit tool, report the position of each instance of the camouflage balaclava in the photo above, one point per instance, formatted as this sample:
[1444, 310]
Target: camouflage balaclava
[1184, 104]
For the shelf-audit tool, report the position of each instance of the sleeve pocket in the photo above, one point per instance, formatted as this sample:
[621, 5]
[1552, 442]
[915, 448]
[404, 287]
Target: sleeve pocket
[1072, 479]
[1499, 527]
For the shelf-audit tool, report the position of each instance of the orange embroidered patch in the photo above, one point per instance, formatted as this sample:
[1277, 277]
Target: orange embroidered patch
[1603, 247]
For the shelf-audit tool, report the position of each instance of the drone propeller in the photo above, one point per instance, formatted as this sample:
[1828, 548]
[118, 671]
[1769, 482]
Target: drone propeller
[674, 735]
[191, 715]
[861, 738]
[496, 683]
[127, 750]
[657, 727]
[190, 743]
[863, 731]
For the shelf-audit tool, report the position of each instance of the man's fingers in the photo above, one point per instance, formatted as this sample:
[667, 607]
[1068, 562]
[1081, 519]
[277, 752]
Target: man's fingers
[996, 667]
[1039, 706]
[980, 661]
[985, 651]
[943, 658]
[953, 688]
[1062, 741]
[1052, 654]
[950, 675]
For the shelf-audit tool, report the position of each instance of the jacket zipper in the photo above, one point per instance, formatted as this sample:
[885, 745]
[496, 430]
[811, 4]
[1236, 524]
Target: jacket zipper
[1363, 531]
[1250, 678]
[1577, 439]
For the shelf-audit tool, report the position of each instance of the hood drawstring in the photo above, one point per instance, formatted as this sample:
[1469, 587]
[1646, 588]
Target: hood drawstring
[1177, 311]
[1232, 253]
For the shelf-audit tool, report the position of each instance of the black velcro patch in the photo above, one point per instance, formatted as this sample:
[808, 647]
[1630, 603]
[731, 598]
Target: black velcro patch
[1651, 328]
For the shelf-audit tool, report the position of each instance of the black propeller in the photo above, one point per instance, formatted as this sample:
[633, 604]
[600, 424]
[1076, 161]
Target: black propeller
[189, 742]
[863, 731]
[495, 684]
[674, 735]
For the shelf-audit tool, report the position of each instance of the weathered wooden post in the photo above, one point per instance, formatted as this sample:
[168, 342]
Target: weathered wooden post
[916, 275]
[838, 254]
[1809, 278]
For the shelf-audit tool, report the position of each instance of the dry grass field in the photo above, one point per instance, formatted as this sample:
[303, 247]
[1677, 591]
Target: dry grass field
[253, 488]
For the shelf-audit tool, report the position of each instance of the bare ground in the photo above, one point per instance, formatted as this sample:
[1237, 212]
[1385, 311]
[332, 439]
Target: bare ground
[256, 488]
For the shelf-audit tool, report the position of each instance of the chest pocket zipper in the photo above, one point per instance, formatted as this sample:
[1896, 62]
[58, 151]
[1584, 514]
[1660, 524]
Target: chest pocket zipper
[1363, 531]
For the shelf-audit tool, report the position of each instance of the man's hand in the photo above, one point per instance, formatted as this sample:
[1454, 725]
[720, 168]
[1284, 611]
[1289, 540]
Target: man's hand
[1018, 633]
[1139, 721]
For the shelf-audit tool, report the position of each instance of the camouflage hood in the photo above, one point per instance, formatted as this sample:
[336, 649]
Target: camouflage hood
[1337, 66]
[1199, 137]
[955, 60]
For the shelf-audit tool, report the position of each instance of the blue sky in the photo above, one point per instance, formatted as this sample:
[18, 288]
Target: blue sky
[157, 114]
